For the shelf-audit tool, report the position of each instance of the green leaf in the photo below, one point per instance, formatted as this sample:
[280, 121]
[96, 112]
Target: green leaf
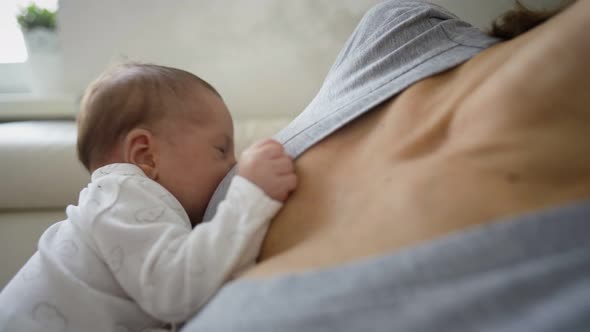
[33, 16]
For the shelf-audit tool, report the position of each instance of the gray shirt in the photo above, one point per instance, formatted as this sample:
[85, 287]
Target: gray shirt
[396, 44]
[530, 273]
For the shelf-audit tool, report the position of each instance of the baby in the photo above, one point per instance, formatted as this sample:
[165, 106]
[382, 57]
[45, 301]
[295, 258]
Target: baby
[157, 141]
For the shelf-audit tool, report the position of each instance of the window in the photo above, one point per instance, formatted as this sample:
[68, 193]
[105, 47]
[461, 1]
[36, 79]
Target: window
[11, 38]
[15, 93]
[13, 53]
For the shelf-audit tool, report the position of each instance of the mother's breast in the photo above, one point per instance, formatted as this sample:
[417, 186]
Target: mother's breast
[451, 152]
[354, 183]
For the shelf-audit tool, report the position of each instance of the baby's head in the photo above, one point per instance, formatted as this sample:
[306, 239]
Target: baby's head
[170, 123]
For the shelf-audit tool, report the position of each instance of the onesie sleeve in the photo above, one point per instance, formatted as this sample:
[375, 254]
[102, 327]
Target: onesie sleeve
[169, 269]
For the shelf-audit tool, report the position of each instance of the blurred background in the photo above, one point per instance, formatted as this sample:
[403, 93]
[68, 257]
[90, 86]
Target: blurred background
[264, 56]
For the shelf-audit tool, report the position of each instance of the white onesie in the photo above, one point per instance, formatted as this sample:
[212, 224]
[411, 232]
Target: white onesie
[127, 259]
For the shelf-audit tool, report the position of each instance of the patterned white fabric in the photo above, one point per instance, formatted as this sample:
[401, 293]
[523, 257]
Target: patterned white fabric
[127, 259]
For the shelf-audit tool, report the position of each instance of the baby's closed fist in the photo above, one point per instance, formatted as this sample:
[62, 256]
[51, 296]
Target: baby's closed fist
[268, 166]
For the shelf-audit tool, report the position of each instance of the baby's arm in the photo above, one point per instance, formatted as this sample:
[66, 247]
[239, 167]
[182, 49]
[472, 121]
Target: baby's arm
[163, 265]
[267, 165]
[168, 269]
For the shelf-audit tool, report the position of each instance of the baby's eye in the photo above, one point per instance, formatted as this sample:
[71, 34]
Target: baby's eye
[221, 149]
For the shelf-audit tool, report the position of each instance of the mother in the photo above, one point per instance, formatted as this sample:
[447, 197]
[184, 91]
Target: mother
[455, 204]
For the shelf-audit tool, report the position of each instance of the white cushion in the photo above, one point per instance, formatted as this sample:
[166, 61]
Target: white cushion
[39, 167]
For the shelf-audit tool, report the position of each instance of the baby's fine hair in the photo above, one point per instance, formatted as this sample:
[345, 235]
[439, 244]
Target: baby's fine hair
[127, 96]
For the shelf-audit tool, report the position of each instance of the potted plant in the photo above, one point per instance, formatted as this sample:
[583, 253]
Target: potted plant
[44, 57]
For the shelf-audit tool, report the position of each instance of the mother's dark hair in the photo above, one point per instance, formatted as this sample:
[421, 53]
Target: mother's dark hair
[521, 19]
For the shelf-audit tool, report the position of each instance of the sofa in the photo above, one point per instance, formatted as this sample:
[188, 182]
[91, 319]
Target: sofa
[40, 176]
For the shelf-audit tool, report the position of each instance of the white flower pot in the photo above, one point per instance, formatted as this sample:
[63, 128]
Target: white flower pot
[45, 62]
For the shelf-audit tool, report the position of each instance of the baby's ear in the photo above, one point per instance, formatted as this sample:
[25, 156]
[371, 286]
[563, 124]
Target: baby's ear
[138, 149]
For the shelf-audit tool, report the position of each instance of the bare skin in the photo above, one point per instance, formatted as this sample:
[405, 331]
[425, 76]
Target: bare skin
[506, 133]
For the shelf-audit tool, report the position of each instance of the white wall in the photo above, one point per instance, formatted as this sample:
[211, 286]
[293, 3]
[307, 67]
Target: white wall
[262, 55]
[265, 56]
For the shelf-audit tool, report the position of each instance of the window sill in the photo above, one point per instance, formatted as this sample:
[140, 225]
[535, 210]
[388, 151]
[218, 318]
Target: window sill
[27, 106]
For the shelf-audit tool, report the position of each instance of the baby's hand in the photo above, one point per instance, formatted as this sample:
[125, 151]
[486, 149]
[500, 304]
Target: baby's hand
[268, 166]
